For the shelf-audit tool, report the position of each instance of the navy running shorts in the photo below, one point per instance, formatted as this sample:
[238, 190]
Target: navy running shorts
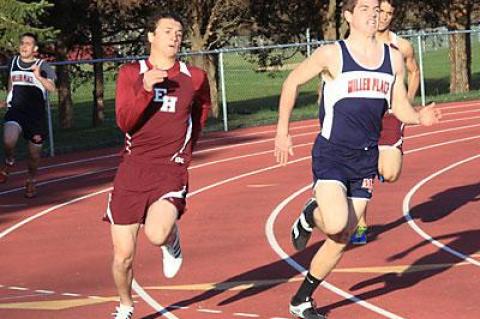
[355, 169]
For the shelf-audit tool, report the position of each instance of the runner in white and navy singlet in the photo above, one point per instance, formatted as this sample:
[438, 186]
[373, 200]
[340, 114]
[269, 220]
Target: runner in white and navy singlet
[26, 100]
[351, 112]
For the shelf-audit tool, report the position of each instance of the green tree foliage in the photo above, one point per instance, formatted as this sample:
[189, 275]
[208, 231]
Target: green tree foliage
[17, 17]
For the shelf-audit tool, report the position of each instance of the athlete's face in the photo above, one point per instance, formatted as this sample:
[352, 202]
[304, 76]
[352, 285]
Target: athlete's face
[364, 17]
[27, 48]
[386, 16]
[167, 37]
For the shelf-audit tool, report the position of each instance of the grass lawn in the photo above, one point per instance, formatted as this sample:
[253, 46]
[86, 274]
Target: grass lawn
[252, 98]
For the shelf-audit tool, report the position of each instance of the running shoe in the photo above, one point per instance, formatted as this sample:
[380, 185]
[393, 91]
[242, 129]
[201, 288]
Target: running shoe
[306, 310]
[301, 230]
[123, 312]
[360, 236]
[5, 170]
[172, 255]
[30, 189]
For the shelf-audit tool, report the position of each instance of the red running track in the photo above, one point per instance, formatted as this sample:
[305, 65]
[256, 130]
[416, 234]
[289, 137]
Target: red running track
[422, 260]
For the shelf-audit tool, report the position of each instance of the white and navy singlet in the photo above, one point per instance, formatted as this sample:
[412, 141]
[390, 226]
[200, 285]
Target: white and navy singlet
[354, 103]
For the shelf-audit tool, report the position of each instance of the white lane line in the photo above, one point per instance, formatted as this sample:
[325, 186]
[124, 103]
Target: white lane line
[409, 127]
[222, 160]
[17, 288]
[462, 112]
[46, 211]
[69, 294]
[276, 247]
[442, 144]
[248, 315]
[458, 128]
[41, 291]
[418, 230]
[459, 106]
[19, 297]
[152, 302]
[269, 231]
[217, 148]
[209, 310]
[91, 159]
[62, 179]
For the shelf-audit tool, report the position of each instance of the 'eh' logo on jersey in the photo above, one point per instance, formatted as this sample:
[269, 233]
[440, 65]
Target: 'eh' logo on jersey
[169, 102]
[368, 84]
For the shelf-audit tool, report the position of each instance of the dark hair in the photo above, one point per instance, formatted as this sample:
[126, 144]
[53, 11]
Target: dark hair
[161, 14]
[31, 35]
[393, 3]
[349, 5]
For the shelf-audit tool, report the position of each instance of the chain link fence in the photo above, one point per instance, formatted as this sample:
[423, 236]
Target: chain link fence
[249, 85]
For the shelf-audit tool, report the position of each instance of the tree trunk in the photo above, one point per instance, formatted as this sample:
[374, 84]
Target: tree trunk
[330, 25]
[209, 64]
[460, 55]
[98, 112]
[458, 64]
[65, 104]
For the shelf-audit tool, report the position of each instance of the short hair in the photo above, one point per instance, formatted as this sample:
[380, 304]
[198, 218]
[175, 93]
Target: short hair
[349, 5]
[31, 35]
[152, 22]
[392, 3]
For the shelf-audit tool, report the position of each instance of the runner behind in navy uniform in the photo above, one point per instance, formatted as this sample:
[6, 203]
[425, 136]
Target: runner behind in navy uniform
[28, 82]
[363, 78]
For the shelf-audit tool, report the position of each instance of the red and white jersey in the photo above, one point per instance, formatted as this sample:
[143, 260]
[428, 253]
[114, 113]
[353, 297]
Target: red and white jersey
[163, 125]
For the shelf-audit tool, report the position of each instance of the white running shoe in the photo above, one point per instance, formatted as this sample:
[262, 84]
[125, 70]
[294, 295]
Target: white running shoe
[123, 312]
[306, 310]
[172, 255]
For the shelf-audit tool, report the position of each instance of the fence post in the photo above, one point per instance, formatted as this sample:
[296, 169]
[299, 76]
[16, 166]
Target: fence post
[309, 47]
[420, 62]
[50, 126]
[224, 94]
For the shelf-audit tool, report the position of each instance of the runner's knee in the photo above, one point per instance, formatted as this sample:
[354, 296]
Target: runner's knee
[157, 235]
[122, 259]
[341, 238]
[390, 176]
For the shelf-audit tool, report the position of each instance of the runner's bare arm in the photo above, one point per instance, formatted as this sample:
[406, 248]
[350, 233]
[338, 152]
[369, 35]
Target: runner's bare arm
[319, 62]
[413, 71]
[401, 106]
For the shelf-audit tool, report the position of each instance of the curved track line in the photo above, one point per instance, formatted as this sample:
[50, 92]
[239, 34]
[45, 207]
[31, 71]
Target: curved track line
[458, 128]
[204, 164]
[161, 310]
[280, 252]
[91, 159]
[137, 288]
[152, 302]
[49, 210]
[418, 230]
[276, 247]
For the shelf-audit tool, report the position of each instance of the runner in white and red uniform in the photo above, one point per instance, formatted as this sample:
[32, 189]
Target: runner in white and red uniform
[161, 105]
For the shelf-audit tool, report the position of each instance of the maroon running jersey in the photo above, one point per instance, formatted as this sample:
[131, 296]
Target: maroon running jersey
[163, 125]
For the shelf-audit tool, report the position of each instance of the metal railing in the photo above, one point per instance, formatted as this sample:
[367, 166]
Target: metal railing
[247, 86]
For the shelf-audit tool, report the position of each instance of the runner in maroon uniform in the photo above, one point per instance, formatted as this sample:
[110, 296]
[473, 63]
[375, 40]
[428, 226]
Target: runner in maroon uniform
[161, 105]
[391, 136]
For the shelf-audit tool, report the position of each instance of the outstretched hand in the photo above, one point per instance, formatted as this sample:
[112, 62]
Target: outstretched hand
[283, 148]
[429, 115]
[36, 71]
[152, 77]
